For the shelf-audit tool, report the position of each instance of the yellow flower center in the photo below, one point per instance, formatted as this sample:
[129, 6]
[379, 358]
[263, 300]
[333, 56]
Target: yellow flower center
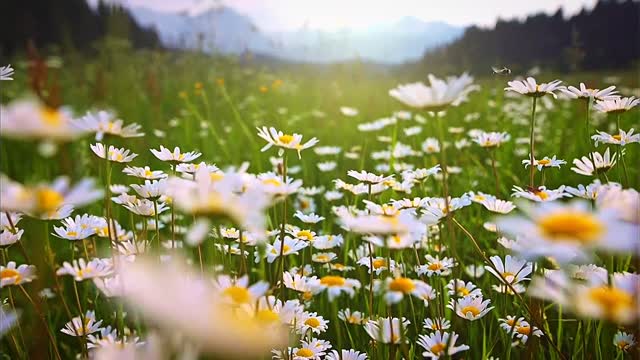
[581, 226]
[10, 273]
[544, 162]
[51, 116]
[148, 173]
[435, 266]
[525, 330]
[285, 139]
[353, 319]
[322, 258]
[541, 194]
[307, 295]
[471, 309]
[304, 352]
[267, 316]
[274, 182]
[404, 285]
[72, 234]
[378, 263]
[338, 266]
[438, 348]
[622, 344]
[611, 299]
[238, 294]
[463, 290]
[617, 137]
[305, 234]
[313, 322]
[332, 280]
[48, 199]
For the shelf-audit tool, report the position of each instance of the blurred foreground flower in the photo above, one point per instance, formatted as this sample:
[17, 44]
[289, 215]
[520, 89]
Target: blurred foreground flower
[178, 301]
[437, 97]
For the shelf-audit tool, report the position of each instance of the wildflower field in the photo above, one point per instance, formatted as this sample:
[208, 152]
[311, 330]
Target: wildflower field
[181, 206]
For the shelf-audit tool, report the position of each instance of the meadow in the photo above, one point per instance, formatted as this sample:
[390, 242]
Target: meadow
[396, 225]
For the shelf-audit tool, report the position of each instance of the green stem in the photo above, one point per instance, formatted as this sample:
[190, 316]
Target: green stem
[532, 143]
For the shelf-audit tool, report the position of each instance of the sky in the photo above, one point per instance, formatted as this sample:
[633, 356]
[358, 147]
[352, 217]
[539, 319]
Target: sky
[283, 15]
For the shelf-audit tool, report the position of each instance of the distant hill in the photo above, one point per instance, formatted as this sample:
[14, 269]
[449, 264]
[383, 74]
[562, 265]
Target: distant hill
[69, 23]
[607, 37]
[222, 29]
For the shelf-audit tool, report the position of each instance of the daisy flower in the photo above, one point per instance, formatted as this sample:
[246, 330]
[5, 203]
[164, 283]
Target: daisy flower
[474, 271]
[622, 138]
[569, 231]
[30, 119]
[273, 184]
[540, 194]
[624, 202]
[491, 139]
[151, 189]
[82, 325]
[6, 73]
[436, 324]
[616, 106]
[367, 177]
[589, 192]
[586, 93]
[624, 341]
[603, 163]
[114, 154]
[78, 228]
[311, 321]
[237, 291]
[436, 97]
[498, 206]
[325, 242]
[144, 173]
[351, 317]
[462, 289]
[298, 282]
[470, 308]
[81, 270]
[348, 111]
[431, 146]
[9, 237]
[545, 162]
[396, 288]
[616, 302]
[144, 207]
[346, 355]
[327, 150]
[284, 141]
[440, 344]
[334, 285]
[379, 264]
[530, 87]
[324, 257]
[523, 330]
[333, 195]
[436, 266]
[512, 271]
[387, 330]
[176, 156]
[308, 218]
[105, 123]
[288, 247]
[12, 275]
[327, 166]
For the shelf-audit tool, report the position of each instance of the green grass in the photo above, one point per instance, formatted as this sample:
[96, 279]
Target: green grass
[220, 122]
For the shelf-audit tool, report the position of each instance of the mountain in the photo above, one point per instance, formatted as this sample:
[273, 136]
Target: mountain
[224, 30]
[603, 38]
